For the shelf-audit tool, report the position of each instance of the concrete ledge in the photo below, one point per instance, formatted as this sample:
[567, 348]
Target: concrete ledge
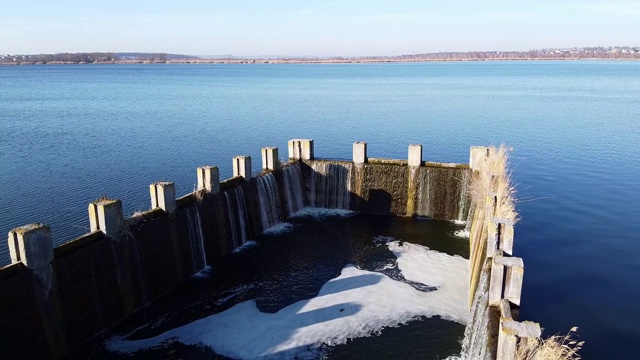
[78, 243]
[12, 270]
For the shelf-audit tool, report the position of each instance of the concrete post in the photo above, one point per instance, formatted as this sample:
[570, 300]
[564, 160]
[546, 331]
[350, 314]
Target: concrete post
[415, 155]
[242, 166]
[509, 332]
[506, 280]
[504, 229]
[513, 279]
[301, 149]
[106, 215]
[496, 281]
[31, 245]
[163, 195]
[209, 179]
[270, 158]
[477, 156]
[360, 152]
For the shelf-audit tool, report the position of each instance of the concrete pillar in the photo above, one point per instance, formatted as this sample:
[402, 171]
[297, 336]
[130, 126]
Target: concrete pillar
[106, 215]
[506, 280]
[496, 281]
[242, 166]
[301, 149]
[415, 155]
[360, 152]
[492, 235]
[508, 334]
[31, 245]
[163, 195]
[209, 179]
[504, 228]
[477, 156]
[513, 279]
[270, 158]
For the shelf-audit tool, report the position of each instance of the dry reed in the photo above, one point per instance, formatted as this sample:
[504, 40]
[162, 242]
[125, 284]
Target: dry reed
[555, 347]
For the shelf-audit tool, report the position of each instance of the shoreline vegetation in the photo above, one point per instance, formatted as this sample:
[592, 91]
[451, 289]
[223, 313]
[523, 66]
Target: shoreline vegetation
[595, 53]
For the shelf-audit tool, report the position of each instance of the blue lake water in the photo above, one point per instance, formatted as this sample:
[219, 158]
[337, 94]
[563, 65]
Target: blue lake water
[71, 133]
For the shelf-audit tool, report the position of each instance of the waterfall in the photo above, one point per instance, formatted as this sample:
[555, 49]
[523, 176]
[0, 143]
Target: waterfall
[242, 214]
[423, 207]
[476, 335]
[237, 214]
[463, 202]
[270, 212]
[330, 185]
[231, 215]
[197, 239]
[292, 176]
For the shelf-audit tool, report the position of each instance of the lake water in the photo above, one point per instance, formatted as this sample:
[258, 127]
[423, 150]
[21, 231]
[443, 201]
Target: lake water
[71, 133]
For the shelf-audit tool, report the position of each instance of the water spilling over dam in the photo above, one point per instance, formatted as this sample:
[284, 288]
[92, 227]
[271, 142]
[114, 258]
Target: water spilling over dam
[95, 281]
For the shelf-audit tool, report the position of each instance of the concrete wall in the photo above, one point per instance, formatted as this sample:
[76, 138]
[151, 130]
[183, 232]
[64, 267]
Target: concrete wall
[54, 300]
[492, 217]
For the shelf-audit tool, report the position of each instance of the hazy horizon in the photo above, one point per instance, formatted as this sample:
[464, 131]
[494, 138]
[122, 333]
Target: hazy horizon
[330, 28]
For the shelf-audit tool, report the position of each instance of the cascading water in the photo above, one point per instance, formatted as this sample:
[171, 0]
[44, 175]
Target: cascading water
[242, 214]
[292, 176]
[270, 212]
[233, 227]
[476, 335]
[330, 185]
[197, 239]
[423, 207]
[463, 203]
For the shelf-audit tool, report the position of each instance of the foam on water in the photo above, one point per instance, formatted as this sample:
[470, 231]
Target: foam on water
[279, 228]
[322, 212]
[245, 245]
[357, 303]
[464, 233]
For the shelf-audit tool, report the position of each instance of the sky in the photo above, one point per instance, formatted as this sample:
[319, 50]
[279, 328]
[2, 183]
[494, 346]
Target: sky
[320, 28]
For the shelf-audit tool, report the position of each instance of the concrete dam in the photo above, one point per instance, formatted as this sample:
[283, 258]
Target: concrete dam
[55, 301]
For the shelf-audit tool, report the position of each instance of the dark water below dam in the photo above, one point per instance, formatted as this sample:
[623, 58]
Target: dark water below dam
[289, 265]
[72, 133]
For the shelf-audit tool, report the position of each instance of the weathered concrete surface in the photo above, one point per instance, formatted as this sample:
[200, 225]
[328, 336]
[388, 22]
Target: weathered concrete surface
[415, 155]
[360, 152]
[106, 215]
[477, 155]
[270, 158]
[209, 178]
[163, 195]
[242, 166]
[301, 149]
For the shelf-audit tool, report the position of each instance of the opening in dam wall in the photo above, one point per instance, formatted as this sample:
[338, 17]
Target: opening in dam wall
[52, 300]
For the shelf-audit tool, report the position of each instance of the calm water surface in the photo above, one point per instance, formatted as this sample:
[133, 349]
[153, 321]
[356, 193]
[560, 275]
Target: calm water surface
[70, 134]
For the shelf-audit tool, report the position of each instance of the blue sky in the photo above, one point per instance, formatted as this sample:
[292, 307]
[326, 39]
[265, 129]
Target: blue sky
[324, 28]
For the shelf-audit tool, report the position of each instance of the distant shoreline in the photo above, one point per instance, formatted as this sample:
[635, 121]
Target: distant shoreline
[305, 61]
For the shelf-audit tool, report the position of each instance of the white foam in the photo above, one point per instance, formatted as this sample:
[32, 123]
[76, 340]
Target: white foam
[206, 272]
[464, 233]
[354, 304]
[247, 244]
[383, 239]
[279, 228]
[322, 212]
[459, 222]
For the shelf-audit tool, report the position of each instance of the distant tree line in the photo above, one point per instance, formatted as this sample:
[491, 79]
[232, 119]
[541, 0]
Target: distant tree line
[90, 57]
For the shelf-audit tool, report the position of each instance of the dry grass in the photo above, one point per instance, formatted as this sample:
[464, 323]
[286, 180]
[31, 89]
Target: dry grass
[492, 183]
[556, 347]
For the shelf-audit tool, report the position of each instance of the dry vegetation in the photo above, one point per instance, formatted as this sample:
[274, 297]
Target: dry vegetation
[553, 348]
[493, 174]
